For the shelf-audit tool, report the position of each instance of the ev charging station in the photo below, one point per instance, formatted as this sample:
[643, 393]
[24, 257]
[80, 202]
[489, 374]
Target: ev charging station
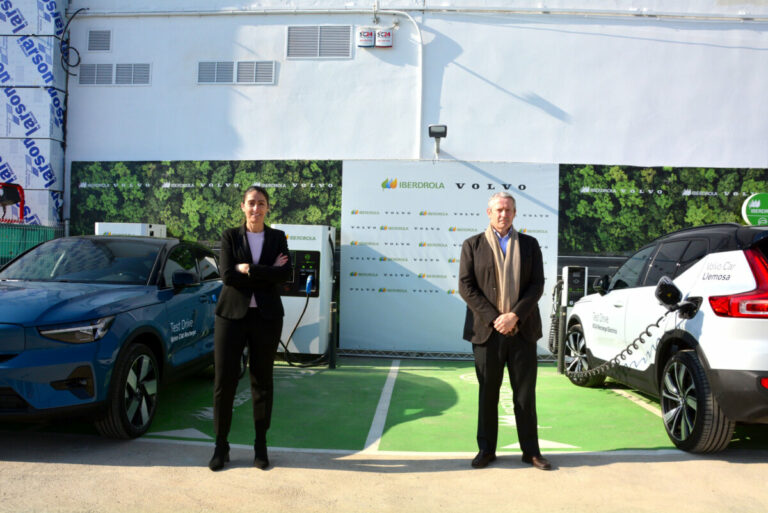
[575, 284]
[572, 286]
[311, 249]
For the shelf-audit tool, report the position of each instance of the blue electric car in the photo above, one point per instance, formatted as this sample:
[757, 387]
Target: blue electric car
[89, 326]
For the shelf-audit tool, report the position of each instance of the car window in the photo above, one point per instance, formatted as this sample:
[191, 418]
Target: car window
[665, 261]
[86, 260]
[628, 274]
[697, 250]
[180, 259]
[209, 268]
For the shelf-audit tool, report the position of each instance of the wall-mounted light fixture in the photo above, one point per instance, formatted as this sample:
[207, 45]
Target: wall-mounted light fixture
[437, 132]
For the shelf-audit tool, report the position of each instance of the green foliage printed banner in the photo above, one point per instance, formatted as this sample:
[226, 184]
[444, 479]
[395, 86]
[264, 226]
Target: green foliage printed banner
[197, 200]
[612, 210]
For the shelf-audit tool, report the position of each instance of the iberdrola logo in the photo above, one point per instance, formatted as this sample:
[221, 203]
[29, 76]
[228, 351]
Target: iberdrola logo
[452, 260]
[354, 243]
[422, 275]
[389, 184]
[451, 291]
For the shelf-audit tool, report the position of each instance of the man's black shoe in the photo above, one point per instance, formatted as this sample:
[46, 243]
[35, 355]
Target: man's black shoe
[539, 462]
[220, 457]
[483, 459]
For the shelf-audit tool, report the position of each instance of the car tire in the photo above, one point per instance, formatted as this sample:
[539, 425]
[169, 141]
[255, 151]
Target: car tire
[577, 359]
[692, 417]
[133, 395]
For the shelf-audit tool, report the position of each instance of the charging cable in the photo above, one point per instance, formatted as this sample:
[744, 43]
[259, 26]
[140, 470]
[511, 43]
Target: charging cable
[322, 359]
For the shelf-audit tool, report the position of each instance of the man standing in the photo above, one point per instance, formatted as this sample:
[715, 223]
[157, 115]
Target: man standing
[501, 278]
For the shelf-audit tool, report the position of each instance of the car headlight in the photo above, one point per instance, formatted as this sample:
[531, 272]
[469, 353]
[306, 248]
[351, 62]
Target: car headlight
[80, 333]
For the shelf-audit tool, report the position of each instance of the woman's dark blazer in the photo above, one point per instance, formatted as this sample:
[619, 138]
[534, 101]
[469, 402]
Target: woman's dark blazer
[477, 286]
[263, 279]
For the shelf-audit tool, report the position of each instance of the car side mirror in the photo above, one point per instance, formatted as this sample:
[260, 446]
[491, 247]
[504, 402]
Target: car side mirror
[667, 293]
[601, 284]
[183, 279]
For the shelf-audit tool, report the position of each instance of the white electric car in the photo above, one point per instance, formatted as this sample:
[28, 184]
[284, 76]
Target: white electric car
[707, 358]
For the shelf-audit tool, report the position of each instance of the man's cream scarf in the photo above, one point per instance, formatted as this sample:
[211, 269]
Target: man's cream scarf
[507, 269]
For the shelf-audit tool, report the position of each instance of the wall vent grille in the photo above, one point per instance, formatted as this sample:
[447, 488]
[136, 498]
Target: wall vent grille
[131, 74]
[336, 41]
[218, 72]
[256, 72]
[319, 41]
[117, 74]
[99, 40]
[95, 74]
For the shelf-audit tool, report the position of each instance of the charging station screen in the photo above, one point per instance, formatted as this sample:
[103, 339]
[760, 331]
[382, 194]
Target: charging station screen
[305, 264]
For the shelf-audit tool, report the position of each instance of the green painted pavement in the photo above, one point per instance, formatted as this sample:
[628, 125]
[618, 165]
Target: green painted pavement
[433, 408]
[314, 408]
[442, 396]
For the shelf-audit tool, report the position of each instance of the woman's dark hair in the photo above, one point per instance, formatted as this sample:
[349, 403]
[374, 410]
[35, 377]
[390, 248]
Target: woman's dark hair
[256, 188]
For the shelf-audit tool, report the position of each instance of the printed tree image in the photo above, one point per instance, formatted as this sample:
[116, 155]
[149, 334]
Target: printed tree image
[197, 200]
[613, 210]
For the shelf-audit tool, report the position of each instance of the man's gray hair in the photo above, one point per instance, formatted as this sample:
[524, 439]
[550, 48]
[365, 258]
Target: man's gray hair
[502, 195]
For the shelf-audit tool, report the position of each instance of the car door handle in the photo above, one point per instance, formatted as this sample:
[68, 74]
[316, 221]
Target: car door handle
[618, 305]
[204, 299]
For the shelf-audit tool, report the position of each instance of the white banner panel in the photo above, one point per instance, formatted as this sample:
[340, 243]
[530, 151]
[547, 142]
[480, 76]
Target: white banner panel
[403, 224]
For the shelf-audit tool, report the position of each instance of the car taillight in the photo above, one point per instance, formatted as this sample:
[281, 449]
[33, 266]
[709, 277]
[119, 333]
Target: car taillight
[764, 382]
[748, 304]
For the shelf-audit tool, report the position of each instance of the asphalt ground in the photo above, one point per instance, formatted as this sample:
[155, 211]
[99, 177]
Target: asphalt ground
[382, 435]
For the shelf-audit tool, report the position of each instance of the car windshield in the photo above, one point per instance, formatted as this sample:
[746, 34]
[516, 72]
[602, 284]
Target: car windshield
[86, 260]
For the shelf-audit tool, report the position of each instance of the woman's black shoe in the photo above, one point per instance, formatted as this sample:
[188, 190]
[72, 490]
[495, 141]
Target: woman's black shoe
[220, 457]
[260, 459]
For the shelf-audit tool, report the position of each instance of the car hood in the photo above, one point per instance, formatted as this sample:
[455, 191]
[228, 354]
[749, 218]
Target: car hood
[32, 303]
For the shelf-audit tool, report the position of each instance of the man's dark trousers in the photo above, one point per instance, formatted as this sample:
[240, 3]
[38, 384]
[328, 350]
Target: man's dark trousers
[520, 358]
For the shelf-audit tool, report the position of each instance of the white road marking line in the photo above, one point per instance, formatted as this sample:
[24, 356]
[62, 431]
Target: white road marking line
[351, 454]
[638, 401]
[380, 418]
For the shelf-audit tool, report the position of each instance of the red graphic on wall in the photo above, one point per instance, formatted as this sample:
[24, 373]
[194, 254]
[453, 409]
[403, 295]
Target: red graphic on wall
[11, 194]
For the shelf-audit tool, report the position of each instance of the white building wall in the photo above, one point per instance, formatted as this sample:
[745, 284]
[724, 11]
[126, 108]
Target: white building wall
[319, 109]
[599, 82]
[542, 88]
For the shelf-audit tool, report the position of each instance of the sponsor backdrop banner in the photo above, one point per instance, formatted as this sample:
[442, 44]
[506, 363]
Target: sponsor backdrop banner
[197, 200]
[614, 210]
[403, 224]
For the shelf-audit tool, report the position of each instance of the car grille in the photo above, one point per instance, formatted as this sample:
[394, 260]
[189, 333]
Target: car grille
[11, 401]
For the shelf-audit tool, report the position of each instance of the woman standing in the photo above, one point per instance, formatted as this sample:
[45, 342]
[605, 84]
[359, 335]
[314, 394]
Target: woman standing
[254, 261]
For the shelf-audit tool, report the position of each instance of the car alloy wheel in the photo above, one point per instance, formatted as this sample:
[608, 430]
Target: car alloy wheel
[692, 417]
[133, 395]
[680, 401]
[141, 392]
[577, 360]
